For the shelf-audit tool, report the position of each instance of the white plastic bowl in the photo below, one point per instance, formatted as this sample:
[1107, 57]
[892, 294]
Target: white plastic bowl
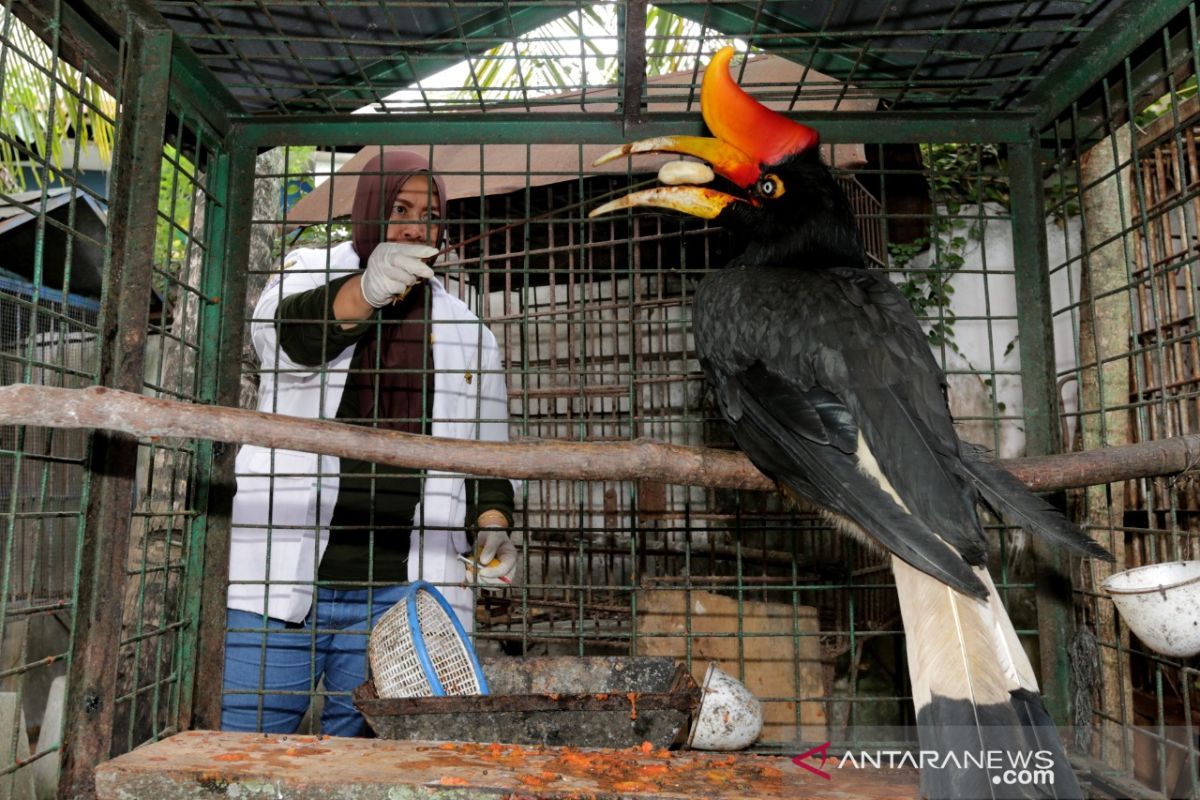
[1161, 604]
[729, 717]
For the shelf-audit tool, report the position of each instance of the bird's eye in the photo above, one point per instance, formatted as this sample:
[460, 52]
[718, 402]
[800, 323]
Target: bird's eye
[770, 186]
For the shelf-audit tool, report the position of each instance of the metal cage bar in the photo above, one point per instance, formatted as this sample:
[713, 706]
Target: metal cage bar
[88, 733]
[592, 320]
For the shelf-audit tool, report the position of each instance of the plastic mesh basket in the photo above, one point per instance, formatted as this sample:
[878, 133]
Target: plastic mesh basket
[419, 649]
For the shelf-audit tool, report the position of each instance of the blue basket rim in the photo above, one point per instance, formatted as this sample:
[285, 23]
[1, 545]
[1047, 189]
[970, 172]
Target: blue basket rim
[410, 601]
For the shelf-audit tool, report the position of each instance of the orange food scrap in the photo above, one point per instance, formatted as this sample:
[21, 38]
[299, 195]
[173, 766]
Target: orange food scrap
[231, 757]
[539, 779]
[647, 748]
[453, 780]
[577, 759]
[305, 751]
[662, 753]
[654, 770]
[632, 705]
[446, 746]
[630, 786]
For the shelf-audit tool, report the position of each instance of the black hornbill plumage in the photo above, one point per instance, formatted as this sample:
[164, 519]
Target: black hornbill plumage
[829, 386]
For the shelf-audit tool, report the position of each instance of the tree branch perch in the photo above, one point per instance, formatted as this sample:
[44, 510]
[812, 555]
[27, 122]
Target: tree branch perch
[146, 417]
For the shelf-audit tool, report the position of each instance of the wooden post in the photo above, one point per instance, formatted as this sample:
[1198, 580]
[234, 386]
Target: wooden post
[1105, 327]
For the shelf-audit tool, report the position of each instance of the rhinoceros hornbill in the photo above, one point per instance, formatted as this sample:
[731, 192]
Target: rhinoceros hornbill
[828, 383]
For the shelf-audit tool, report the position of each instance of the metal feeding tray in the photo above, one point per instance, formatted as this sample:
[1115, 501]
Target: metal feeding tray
[605, 701]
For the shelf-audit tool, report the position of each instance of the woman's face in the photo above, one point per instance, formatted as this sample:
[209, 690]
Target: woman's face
[415, 218]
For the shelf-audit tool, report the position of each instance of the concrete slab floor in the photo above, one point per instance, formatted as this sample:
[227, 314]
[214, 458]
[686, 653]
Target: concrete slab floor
[205, 764]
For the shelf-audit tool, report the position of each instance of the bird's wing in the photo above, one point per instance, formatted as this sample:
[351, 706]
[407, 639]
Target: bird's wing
[1012, 501]
[832, 390]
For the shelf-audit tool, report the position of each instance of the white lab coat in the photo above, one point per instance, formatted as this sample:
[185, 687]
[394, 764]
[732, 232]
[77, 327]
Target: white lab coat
[285, 498]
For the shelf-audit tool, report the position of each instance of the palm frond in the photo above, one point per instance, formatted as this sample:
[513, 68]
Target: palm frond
[46, 101]
[579, 51]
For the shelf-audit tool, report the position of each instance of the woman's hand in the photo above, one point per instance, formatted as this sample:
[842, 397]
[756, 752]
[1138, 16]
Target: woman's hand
[393, 269]
[496, 558]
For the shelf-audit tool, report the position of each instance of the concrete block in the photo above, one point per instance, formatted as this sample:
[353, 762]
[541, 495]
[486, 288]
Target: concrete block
[17, 785]
[45, 769]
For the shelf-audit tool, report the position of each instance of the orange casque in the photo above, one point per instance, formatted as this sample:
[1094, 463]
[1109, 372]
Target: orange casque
[738, 120]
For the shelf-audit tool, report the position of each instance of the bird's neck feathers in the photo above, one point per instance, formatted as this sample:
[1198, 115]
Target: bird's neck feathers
[811, 227]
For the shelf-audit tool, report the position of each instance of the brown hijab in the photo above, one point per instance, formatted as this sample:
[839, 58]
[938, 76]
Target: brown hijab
[382, 178]
[390, 368]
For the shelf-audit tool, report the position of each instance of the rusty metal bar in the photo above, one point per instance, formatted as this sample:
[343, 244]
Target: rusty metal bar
[503, 127]
[233, 224]
[137, 162]
[632, 56]
[1039, 390]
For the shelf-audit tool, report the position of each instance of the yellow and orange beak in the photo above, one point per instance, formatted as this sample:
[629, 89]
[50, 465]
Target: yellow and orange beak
[748, 135]
[699, 201]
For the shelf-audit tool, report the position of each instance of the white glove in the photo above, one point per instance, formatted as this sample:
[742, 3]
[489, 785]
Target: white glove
[393, 269]
[495, 558]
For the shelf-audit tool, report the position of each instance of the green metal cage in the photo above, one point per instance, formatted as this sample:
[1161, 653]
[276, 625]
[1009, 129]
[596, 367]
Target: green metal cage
[1027, 172]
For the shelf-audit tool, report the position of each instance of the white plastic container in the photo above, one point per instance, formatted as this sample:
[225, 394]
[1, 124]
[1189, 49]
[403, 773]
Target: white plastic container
[729, 717]
[1161, 604]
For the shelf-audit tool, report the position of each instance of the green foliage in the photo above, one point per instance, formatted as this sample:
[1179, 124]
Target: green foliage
[578, 50]
[958, 175]
[966, 173]
[48, 104]
[299, 180]
[929, 290]
[298, 173]
[1166, 103]
[174, 224]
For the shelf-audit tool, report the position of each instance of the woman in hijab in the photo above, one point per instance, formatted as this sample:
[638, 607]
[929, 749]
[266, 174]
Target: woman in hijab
[362, 332]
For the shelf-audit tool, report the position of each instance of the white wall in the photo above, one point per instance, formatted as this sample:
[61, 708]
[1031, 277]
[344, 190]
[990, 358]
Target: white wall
[986, 288]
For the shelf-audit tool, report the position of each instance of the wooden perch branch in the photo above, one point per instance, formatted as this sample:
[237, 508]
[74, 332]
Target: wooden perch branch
[146, 417]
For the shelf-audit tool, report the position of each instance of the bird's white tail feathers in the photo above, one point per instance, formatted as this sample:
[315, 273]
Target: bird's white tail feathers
[960, 647]
[976, 696]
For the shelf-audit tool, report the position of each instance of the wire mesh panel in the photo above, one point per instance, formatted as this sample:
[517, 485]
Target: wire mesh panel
[592, 328]
[52, 235]
[59, 127]
[592, 321]
[321, 58]
[1121, 186]
[167, 525]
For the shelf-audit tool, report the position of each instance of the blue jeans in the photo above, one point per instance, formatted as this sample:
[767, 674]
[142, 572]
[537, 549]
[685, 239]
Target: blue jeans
[270, 674]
